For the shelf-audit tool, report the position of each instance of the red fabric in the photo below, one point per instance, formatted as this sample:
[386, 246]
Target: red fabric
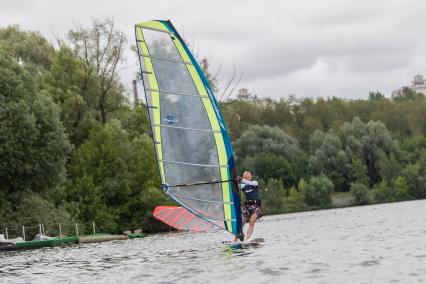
[180, 218]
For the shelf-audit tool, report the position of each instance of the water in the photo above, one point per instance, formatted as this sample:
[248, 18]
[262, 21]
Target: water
[370, 244]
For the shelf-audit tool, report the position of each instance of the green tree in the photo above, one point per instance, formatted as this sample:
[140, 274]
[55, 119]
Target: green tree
[270, 153]
[376, 95]
[407, 94]
[330, 159]
[412, 148]
[74, 91]
[318, 191]
[360, 193]
[401, 188]
[265, 139]
[273, 194]
[29, 48]
[271, 166]
[371, 142]
[389, 169]
[33, 143]
[359, 171]
[33, 209]
[415, 176]
[101, 48]
[114, 180]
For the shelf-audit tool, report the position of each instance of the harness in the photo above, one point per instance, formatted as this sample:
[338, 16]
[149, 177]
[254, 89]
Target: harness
[253, 202]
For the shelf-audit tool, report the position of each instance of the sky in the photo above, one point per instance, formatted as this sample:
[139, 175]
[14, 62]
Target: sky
[306, 48]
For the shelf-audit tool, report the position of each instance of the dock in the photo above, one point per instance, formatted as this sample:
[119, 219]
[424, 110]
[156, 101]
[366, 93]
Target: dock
[5, 245]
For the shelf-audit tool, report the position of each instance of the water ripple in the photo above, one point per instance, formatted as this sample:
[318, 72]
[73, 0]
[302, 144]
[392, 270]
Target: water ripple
[328, 246]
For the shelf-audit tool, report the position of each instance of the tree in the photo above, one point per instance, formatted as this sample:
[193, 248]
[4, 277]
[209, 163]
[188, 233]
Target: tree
[76, 94]
[316, 141]
[407, 94]
[205, 65]
[31, 49]
[389, 169]
[266, 139]
[401, 188]
[370, 142]
[375, 96]
[270, 153]
[412, 148]
[330, 159]
[33, 143]
[273, 194]
[360, 193]
[113, 180]
[359, 171]
[33, 209]
[318, 191]
[393, 192]
[271, 166]
[102, 49]
[415, 176]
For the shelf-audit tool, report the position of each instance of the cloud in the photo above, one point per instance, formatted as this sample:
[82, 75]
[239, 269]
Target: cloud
[306, 47]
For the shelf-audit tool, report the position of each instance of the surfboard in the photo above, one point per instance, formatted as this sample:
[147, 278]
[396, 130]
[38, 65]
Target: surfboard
[250, 243]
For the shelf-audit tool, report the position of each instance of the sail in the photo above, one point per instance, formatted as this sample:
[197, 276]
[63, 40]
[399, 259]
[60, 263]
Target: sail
[192, 146]
[181, 219]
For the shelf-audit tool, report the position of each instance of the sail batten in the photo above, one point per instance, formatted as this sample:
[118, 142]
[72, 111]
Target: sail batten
[202, 200]
[195, 165]
[189, 133]
[176, 93]
[166, 59]
[153, 29]
[184, 128]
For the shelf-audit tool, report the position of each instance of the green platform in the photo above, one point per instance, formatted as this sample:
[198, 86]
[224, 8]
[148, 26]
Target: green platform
[47, 243]
[136, 236]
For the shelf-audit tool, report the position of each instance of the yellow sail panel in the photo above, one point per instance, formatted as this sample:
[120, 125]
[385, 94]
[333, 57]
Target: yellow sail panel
[156, 25]
[155, 96]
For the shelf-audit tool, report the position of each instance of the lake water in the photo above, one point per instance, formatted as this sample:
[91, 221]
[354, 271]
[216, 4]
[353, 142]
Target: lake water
[369, 244]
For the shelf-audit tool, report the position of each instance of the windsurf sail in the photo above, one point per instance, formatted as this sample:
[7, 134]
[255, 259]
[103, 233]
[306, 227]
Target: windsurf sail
[192, 146]
[181, 219]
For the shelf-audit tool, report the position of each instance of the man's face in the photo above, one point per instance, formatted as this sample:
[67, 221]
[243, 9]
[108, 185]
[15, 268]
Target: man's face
[247, 176]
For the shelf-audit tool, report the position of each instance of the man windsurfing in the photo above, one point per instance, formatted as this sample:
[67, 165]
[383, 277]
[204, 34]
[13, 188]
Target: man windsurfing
[252, 205]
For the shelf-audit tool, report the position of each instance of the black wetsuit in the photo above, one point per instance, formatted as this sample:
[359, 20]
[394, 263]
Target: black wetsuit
[252, 193]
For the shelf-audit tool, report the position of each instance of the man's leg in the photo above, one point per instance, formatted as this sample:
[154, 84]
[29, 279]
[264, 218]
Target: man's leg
[244, 221]
[251, 225]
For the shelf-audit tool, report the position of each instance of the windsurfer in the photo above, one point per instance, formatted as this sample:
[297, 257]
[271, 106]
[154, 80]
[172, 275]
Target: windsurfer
[252, 205]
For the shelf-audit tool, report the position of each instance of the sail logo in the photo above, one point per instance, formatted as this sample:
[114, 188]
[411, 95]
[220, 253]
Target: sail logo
[170, 120]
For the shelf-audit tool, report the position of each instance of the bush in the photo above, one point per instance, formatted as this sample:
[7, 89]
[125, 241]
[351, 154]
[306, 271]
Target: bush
[295, 200]
[360, 193]
[414, 175]
[318, 191]
[272, 196]
[33, 209]
[277, 199]
[401, 188]
[397, 192]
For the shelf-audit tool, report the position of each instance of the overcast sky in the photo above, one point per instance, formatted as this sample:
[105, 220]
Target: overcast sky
[307, 48]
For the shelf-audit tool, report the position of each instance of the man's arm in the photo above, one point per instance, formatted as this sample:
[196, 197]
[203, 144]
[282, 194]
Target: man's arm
[247, 182]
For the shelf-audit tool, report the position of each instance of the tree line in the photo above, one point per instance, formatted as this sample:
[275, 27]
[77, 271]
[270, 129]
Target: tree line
[303, 150]
[73, 147]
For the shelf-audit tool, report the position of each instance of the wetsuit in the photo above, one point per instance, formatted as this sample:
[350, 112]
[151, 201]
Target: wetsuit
[252, 193]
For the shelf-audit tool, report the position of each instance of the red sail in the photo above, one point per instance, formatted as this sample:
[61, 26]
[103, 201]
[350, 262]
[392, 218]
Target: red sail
[181, 219]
